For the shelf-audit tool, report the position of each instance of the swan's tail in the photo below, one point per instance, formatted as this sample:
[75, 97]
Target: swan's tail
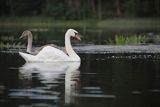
[27, 57]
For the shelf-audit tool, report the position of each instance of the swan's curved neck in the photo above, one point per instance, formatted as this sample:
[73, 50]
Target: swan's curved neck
[29, 46]
[72, 54]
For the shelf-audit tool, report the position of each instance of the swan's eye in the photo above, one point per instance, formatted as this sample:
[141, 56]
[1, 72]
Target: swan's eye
[75, 33]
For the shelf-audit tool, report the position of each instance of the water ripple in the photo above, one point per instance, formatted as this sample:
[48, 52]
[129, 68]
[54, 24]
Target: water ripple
[36, 94]
[96, 96]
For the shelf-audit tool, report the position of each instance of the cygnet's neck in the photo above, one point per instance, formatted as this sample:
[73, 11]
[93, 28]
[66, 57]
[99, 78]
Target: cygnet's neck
[72, 54]
[29, 46]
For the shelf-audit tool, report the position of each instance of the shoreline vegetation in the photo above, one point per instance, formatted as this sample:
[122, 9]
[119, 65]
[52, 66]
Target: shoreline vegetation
[133, 40]
[114, 23]
[119, 40]
[43, 23]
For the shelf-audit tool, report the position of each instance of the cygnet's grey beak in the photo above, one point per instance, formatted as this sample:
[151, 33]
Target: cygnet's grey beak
[21, 36]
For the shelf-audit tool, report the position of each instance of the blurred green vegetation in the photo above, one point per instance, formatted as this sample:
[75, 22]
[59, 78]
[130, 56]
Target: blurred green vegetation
[9, 45]
[157, 40]
[116, 23]
[128, 40]
[80, 9]
[113, 15]
[131, 40]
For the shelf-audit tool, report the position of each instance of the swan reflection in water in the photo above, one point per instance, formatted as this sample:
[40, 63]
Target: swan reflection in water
[50, 72]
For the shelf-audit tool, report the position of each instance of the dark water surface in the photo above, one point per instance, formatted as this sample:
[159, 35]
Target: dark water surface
[102, 80]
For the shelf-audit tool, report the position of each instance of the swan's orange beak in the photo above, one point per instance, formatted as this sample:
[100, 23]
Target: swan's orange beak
[78, 37]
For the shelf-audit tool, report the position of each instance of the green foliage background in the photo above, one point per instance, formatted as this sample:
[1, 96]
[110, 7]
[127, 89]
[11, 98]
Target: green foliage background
[81, 9]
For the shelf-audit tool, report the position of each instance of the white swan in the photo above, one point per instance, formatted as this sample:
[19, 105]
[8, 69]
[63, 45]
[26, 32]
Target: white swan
[51, 54]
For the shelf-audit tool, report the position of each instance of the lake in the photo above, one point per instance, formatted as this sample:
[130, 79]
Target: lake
[106, 76]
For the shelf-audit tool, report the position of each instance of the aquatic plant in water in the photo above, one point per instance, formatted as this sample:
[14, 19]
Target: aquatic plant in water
[157, 40]
[120, 40]
[128, 40]
[8, 45]
[109, 41]
[136, 40]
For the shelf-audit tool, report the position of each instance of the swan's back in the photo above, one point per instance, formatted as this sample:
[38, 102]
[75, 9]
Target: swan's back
[50, 53]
